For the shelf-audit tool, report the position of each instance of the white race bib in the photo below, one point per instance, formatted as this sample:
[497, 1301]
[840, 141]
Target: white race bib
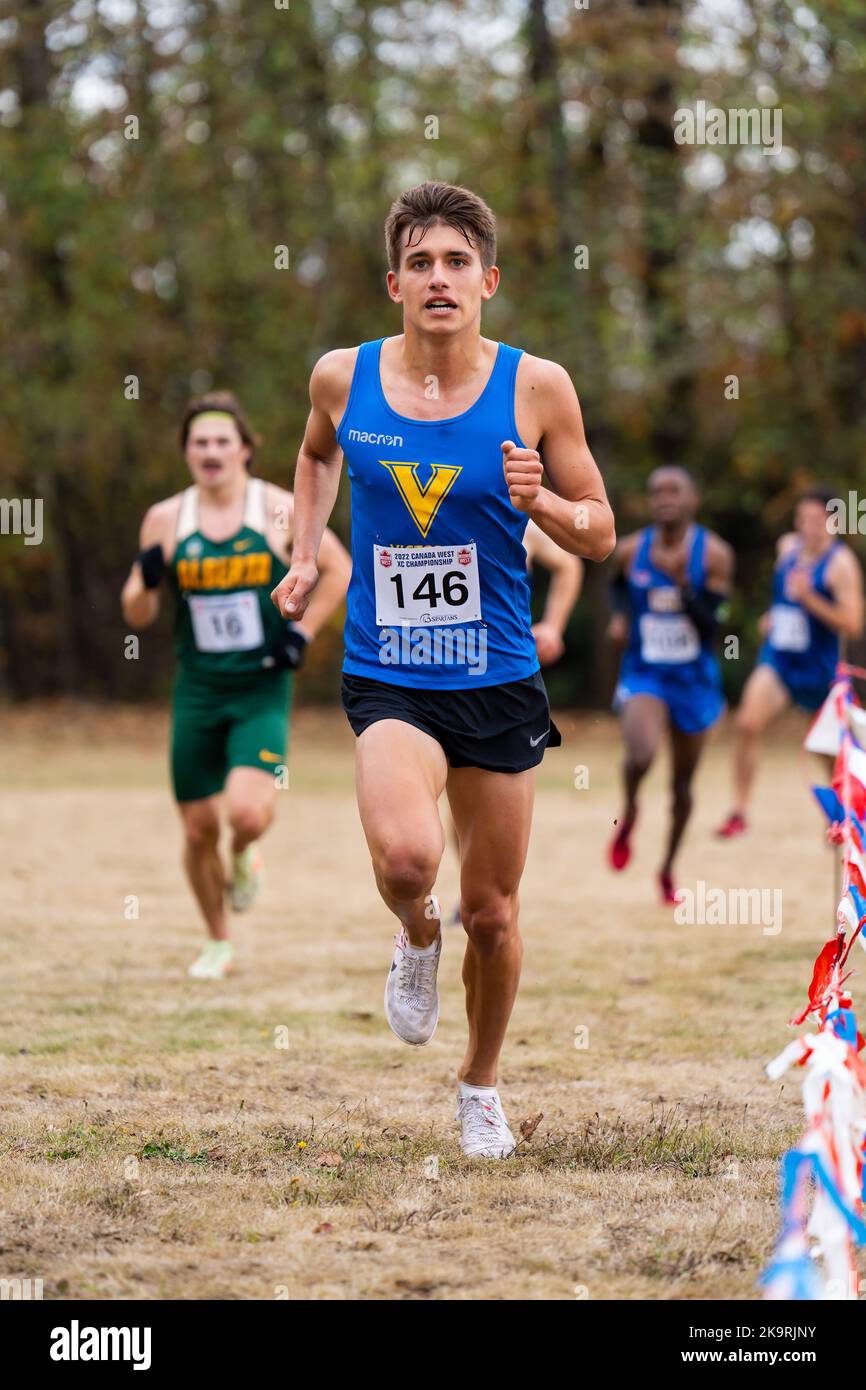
[789, 629]
[426, 585]
[668, 641]
[226, 622]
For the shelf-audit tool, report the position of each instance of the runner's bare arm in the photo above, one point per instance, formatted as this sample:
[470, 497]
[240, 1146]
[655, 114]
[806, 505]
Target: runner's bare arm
[574, 510]
[317, 479]
[844, 613]
[566, 579]
[140, 605]
[783, 544]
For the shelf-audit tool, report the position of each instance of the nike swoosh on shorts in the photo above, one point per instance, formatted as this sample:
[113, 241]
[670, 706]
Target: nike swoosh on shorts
[533, 742]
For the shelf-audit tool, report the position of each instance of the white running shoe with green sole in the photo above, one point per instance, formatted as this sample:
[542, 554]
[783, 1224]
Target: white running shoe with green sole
[246, 878]
[215, 962]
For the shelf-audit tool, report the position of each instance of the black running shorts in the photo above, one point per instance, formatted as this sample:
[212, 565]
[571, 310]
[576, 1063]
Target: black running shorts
[501, 728]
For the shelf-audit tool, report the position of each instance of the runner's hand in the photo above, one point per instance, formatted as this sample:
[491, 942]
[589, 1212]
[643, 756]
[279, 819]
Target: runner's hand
[523, 470]
[292, 594]
[289, 651]
[549, 645]
[797, 585]
[617, 628]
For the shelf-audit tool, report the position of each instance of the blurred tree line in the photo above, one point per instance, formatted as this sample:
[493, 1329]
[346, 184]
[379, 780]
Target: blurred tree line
[708, 300]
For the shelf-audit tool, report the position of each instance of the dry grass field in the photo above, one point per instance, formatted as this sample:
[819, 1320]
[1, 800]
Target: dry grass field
[269, 1137]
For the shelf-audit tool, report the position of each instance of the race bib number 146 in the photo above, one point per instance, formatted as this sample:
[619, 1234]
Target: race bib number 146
[420, 586]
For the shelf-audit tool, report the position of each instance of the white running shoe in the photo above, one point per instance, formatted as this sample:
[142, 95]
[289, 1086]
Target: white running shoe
[484, 1131]
[246, 877]
[215, 962]
[411, 996]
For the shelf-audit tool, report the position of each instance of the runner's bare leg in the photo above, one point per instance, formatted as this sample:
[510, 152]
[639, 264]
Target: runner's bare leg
[492, 814]
[763, 700]
[400, 773]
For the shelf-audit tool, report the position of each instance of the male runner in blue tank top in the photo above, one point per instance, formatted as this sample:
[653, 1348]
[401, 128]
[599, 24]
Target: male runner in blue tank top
[444, 432]
[817, 598]
[671, 580]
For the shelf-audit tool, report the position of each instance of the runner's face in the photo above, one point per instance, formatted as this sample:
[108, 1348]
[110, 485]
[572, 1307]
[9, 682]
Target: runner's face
[441, 282]
[810, 522]
[671, 498]
[215, 452]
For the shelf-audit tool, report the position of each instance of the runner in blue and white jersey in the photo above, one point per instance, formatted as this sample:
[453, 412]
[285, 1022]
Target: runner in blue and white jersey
[671, 580]
[817, 599]
[446, 435]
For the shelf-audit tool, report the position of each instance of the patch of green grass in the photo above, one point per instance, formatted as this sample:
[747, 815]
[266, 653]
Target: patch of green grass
[174, 1153]
[77, 1141]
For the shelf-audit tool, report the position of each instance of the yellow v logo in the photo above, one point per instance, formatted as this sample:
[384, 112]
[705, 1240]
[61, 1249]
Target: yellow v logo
[422, 502]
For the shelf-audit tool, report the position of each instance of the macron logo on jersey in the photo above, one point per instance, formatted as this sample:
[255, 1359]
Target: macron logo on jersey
[370, 437]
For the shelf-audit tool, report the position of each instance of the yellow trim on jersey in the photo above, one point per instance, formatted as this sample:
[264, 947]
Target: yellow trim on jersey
[423, 503]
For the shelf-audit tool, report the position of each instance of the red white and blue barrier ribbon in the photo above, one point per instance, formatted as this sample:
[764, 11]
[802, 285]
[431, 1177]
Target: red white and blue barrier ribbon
[822, 1178]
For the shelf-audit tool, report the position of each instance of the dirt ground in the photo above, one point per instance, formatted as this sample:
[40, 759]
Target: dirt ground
[268, 1137]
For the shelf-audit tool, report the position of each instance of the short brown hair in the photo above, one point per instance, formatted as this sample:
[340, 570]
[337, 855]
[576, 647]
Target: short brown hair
[822, 495]
[444, 203]
[229, 404]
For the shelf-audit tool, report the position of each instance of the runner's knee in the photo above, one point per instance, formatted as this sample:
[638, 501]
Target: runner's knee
[682, 793]
[638, 761]
[249, 821]
[406, 871]
[488, 922]
[748, 721]
[202, 831]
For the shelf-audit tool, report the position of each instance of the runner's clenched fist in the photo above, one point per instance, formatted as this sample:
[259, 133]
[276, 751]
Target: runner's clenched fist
[523, 470]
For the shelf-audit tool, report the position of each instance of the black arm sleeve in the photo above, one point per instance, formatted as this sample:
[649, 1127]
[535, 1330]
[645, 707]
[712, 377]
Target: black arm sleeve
[619, 595]
[289, 650]
[152, 565]
[703, 607]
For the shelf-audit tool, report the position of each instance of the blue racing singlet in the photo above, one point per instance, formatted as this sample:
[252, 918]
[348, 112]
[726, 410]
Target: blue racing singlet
[439, 595]
[803, 650]
[666, 656]
[662, 637]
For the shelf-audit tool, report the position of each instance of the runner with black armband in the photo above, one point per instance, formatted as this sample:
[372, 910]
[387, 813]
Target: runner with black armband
[222, 544]
[670, 582]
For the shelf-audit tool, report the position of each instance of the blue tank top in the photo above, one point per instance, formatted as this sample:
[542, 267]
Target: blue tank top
[797, 640]
[662, 637]
[439, 595]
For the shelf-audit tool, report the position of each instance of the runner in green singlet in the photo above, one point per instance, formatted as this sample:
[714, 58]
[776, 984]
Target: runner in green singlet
[223, 544]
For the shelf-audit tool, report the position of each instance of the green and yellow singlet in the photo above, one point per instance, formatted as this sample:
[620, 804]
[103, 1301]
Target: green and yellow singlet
[225, 622]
